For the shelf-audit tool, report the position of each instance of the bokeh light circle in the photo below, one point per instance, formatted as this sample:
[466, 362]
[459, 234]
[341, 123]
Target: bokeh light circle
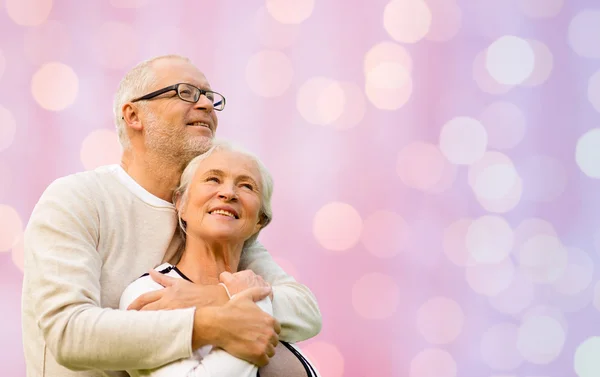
[385, 233]
[446, 20]
[499, 347]
[587, 153]
[8, 128]
[11, 227]
[585, 24]
[18, 253]
[440, 320]
[274, 34]
[320, 100]
[540, 339]
[489, 239]
[337, 226]
[387, 52]
[100, 147]
[544, 63]
[463, 140]
[388, 85]
[578, 274]
[504, 124]
[375, 306]
[484, 80]
[433, 362]
[407, 21]
[354, 107]
[326, 357]
[543, 258]
[490, 279]
[269, 73]
[510, 60]
[593, 92]
[49, 77]
[28, 12]
[586, 361]
[290, 11]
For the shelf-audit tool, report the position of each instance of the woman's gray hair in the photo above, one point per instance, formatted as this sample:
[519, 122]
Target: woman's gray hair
[181, 192]
[137, 82]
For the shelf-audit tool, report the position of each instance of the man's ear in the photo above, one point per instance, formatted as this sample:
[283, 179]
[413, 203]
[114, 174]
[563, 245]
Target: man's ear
[131, 116]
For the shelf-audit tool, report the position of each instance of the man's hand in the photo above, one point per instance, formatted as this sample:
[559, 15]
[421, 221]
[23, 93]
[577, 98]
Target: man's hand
[239, 327]
[242, 280]
[177, 294]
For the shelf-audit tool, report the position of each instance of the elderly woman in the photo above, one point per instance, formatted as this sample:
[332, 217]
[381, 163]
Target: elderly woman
[223, 201]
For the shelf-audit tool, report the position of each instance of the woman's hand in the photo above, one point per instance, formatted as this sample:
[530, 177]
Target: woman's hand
[242, 280]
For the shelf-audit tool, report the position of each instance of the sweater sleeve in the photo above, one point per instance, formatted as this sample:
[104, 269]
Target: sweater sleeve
[64, 269]
[294, 305]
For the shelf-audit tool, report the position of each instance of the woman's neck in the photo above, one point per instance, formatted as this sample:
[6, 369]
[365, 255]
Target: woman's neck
[202, 262]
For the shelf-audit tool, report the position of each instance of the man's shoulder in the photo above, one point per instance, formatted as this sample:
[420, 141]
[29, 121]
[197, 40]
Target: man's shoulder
[81, 183]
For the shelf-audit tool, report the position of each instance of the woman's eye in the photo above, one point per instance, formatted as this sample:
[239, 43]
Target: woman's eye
[248, 186]
[212, 179]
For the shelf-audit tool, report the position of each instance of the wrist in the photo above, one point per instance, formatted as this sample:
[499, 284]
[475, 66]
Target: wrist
[206, 330]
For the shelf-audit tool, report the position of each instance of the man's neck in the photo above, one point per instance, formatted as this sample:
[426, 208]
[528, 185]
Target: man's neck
[158, 177]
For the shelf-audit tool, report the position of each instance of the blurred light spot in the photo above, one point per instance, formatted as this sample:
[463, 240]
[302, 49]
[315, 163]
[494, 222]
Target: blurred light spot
[320, 100]
[440, 320]
[287, 266]
[446, 19]
[381, 305]
[8, 128]
[593, 92]
[578, 274]
[28, 12]
[129, 3]
[510, 60]
[547, 311]
[385, 234]
[455, 242]
[498, 199]
[388, 86]
[420, 165]
[2, 63]
[290, 11]
[586, 361]
[100, 147]
[544, 62]
[587, 153]
[583, 31]
[18, 253]
[48, 42]
[482, 77]
[326, 357]
[540, 339]
[543, 258]
[545, 178]
[490, 279]
[113, 55]
[337, 226]
[531, 227]
[499, 347]
[269, 73]
[504, 124]
[354, 107]
[387, 52]
[433, 362]
[11, 227]
[463, 140]
[49, 77]
[540, 8]
[516, 298]
[407, 21]
[489, 239]
[274, 34]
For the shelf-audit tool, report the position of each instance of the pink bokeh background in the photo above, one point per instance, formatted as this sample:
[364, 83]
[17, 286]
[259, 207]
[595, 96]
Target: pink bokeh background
[436, 162]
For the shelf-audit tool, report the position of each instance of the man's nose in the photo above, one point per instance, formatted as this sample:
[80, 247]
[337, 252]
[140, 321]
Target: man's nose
[204, 103]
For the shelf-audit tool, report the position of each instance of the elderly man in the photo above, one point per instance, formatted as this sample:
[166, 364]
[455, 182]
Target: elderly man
[93, 233]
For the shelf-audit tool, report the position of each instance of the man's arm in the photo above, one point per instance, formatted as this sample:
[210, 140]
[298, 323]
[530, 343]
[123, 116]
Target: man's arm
[64, 267]
[294, 305]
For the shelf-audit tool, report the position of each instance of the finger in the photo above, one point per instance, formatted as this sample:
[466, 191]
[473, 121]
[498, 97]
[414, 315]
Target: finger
[225, 277]
[277, 327]
[162, 279]
[274, 340]
[254, 293]
[262, 361]
[156, 305]
[270, 351]
[145, 299]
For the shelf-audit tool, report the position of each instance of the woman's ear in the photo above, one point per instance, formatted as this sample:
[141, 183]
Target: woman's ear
[179, 207]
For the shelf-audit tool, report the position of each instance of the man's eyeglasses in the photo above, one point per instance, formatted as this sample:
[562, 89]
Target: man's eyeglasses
[188, 93]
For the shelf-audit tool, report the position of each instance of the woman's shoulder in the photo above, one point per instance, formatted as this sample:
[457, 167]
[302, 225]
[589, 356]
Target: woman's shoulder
[144, 284]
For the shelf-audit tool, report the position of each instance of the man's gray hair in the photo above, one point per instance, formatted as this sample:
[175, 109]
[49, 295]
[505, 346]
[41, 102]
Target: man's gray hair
[181, 193]
[136, 83]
